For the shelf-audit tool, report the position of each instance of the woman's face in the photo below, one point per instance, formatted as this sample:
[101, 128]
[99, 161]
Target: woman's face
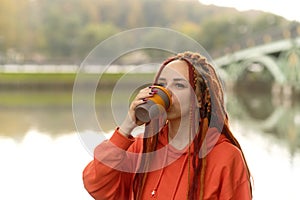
[175, 78]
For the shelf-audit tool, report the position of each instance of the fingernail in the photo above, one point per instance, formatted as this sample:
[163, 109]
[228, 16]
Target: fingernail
[154, 91]
[145, 99]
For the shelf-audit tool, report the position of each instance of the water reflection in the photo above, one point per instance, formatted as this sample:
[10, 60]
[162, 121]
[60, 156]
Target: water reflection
[42, 156]
[48, 112]
[263, 113]
[42, 167]
[269, 131]
[275, 172]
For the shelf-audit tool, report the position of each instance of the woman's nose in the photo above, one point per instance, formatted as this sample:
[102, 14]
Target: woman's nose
[169, 89]
[170, 96]
[167, 86]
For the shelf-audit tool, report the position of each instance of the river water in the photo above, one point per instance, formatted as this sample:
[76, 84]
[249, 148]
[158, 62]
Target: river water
[42, 154]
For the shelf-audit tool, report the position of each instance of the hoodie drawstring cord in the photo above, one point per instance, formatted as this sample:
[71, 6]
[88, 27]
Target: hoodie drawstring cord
[180, 176]
[153, 193]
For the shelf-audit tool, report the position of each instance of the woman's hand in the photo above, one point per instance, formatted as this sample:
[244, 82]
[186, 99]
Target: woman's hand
[131, 121]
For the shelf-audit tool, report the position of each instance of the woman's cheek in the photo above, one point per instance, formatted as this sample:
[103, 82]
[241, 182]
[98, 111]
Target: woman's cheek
[180, 101]
[174, 107]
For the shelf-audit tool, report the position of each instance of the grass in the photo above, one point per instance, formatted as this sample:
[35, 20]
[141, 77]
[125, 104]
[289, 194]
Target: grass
[48, 89]
[49, 78]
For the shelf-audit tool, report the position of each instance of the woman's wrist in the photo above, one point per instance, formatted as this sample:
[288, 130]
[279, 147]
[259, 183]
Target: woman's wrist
[124, 131]
[127, 127]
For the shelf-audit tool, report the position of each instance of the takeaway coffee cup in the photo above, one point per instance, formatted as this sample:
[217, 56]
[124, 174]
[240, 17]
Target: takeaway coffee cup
[156, 105]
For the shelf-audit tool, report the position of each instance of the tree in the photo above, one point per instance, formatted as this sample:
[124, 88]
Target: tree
[92, 34]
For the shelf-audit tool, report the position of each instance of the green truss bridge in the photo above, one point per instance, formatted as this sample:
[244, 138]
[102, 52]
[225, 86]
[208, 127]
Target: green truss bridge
[274, 56]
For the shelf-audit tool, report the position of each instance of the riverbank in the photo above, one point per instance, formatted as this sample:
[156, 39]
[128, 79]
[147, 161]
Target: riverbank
[62, 81]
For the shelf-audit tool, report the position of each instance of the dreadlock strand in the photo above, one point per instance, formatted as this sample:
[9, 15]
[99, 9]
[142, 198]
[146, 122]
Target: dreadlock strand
[202, 152]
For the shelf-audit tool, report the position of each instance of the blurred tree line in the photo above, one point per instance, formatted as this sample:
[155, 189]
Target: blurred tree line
[65, 31]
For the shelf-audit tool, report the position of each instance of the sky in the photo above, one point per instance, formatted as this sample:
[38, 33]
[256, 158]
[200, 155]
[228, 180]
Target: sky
[284, 8]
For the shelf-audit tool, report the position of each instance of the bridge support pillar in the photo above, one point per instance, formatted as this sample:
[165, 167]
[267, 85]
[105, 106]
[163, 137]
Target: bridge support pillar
[283, 94]
[229, 86]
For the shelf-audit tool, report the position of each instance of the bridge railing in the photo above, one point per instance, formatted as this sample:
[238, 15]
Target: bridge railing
[256, 39]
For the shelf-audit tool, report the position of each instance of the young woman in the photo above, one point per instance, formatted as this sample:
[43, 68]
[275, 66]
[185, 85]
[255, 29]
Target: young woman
[190, 153]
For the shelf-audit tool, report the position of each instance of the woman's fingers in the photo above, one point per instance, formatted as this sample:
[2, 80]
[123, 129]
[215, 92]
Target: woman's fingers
[146, 92]
[137, 102]
[142, 97]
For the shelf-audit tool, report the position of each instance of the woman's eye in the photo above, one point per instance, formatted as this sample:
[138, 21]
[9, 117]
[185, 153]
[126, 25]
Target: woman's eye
[161, 84]
[180, 85]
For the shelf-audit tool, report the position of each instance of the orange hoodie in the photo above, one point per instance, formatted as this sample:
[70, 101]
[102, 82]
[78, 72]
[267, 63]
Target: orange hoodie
[110, 174]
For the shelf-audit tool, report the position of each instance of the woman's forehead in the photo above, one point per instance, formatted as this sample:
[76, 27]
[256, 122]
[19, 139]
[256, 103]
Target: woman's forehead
[177, 68]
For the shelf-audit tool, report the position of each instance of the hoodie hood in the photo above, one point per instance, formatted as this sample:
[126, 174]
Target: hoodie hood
[213, 138]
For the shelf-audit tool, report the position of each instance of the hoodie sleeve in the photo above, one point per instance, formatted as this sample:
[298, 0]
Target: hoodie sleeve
[109, 175]
[235, 181]
[226, 173]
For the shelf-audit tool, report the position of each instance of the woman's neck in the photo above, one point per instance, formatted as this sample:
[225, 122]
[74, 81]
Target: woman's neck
[178, 133]
[179, 130]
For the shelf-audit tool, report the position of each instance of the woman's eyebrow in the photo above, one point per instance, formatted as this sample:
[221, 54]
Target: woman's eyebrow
[179, 79]
[174, 79]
